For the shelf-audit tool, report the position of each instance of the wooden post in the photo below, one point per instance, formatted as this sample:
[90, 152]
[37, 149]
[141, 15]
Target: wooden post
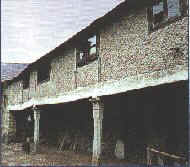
[97, 141]
[36, 129]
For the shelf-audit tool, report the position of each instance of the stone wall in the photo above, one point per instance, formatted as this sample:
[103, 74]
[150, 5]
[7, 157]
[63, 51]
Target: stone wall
[87, 75]
[127, 49]
[62, 74]
[118, 43]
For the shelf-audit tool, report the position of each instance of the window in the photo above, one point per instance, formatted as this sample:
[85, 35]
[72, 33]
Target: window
[26, 81]
[87, 51]
[163, 11]
[44, 73]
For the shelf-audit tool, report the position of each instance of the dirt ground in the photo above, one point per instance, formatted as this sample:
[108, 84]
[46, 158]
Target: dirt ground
[12, 155]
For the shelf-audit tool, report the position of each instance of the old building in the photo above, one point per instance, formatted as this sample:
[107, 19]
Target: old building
[126, 70]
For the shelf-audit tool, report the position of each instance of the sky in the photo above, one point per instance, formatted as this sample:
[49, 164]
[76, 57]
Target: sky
[32, 28]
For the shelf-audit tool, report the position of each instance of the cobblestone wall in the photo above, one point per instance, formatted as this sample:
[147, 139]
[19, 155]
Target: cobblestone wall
[88, 74]
[126, 48]
[62, 74]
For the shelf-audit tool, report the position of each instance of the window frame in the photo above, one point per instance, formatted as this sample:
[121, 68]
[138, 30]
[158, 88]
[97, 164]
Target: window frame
[84, 47]
[150, 16]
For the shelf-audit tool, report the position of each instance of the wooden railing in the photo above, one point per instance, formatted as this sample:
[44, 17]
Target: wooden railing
[151, 151]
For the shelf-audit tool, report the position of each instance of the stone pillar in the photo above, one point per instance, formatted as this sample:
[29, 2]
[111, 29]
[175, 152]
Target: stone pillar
[36, 128]
[97, 141]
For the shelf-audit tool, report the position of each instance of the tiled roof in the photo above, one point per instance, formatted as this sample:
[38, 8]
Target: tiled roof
[11, 70]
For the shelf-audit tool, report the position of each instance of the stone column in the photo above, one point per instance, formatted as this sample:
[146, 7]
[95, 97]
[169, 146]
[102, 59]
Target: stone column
[97, 141]
[36, 128]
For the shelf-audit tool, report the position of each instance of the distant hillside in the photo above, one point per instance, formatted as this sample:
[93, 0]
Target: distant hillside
[11, 70]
